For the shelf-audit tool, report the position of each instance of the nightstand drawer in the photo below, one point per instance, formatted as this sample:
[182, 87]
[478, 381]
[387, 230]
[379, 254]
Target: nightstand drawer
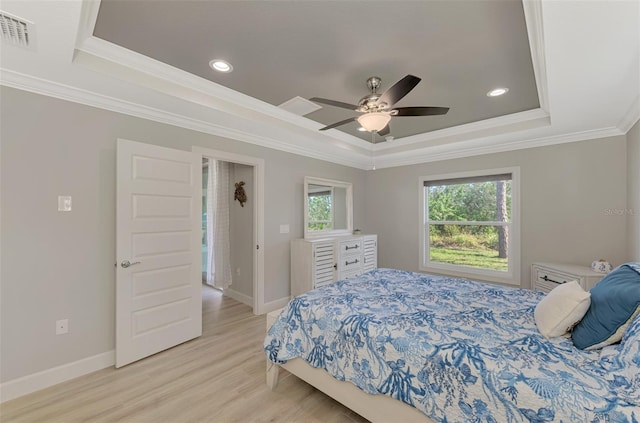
[545, 286]
[554, 278]
[546, 276]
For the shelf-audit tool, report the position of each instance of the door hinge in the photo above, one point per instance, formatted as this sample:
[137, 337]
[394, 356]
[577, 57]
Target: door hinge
[257, 247]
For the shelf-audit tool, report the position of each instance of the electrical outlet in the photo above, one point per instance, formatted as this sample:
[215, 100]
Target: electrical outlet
[62, 326]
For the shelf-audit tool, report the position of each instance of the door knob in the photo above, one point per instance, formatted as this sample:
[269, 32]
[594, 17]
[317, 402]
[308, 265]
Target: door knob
[126, 263]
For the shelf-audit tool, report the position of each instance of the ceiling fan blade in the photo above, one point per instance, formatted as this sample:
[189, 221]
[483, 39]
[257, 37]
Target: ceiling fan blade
[384, 131]
[334, 103]
[342, 122]
[399, 90]
[419, 111]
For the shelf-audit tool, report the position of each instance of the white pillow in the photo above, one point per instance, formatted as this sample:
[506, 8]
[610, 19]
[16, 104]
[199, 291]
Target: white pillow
[561, 309]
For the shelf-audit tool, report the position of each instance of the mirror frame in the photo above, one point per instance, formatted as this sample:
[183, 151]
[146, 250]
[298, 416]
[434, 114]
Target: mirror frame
[309, 180]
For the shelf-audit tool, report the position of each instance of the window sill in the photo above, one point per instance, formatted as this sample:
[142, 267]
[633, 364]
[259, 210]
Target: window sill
[506, 278]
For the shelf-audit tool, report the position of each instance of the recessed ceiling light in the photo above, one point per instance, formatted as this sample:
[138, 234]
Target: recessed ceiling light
[497, 92]
[221, 65]
[361, 129]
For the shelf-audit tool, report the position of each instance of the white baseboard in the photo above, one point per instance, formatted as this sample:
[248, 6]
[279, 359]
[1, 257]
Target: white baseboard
[46, 378]
[274, 305]
[238, 296]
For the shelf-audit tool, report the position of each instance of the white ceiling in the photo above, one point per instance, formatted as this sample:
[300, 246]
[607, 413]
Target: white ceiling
[584, 56]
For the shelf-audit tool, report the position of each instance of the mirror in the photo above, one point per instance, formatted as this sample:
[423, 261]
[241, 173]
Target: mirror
[327, 207]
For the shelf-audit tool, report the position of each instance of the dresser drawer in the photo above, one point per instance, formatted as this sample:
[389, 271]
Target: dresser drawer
[353, 246]
[351, 274]
[348, 264]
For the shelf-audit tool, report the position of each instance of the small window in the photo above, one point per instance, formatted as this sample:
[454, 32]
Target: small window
[470, 225]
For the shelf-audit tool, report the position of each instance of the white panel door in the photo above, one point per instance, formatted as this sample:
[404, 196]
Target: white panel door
[158, 243]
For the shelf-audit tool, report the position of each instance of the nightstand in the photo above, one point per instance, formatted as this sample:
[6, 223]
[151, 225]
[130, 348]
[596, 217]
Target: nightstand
[546, 276]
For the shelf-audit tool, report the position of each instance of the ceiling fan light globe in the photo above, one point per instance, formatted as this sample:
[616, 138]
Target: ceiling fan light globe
[374, 121]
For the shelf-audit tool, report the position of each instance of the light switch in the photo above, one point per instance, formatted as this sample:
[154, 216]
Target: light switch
[284, 229]
[64, 203]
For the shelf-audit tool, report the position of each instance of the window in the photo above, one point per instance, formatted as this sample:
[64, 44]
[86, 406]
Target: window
[470, 225]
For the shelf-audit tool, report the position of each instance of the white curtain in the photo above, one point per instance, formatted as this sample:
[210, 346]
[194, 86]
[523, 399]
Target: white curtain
[218, 244]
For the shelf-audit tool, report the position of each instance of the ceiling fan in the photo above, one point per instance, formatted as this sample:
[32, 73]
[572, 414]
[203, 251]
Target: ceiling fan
[377, 109]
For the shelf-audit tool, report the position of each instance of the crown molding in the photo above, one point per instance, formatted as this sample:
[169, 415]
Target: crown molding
[631, 117]
[516, 121]
[471, 148]
[133, 64]
[535, 31]
[88, 16]
[272, 127]
[93, 53]
[356, 160]
[100, 55]
[65, 92]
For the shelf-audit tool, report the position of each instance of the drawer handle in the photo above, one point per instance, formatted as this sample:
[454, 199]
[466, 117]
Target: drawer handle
[346, 263]
[355, 247]
[546, 278]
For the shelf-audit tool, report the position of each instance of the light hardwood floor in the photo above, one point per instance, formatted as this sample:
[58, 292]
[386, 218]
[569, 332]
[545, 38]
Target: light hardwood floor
[219, 377]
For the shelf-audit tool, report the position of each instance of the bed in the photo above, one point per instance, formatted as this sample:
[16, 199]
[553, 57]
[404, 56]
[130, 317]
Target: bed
[404, 346]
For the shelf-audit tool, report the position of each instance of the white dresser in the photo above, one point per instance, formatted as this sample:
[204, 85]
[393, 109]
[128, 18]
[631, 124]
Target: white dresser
[546, 276]
[319, 262]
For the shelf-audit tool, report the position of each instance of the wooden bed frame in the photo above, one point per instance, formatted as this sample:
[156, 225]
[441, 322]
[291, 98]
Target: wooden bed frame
[375, 408]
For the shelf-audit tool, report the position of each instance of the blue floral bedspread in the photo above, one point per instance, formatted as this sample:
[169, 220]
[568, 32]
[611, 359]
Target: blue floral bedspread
[458, 350]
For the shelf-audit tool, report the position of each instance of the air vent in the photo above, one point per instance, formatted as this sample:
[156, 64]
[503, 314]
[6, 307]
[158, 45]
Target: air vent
[16, 31]
[300, 106]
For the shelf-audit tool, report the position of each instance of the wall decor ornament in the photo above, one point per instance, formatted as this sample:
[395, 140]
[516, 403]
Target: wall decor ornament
[601, 266]
[240, 195]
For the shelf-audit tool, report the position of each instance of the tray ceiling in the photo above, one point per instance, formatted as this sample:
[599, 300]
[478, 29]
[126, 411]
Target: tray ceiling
[572, 69]
[281, 50]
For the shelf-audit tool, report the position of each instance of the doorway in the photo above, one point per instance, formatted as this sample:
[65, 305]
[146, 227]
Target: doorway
[227, 223]
[246, 225]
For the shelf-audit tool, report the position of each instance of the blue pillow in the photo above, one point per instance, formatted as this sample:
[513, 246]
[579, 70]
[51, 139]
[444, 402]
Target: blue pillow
[615, 301]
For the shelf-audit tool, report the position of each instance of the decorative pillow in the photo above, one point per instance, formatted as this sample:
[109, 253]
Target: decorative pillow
[561, 309]
[615, 301]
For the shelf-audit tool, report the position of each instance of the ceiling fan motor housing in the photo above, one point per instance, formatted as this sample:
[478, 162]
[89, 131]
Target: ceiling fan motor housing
[369, 103]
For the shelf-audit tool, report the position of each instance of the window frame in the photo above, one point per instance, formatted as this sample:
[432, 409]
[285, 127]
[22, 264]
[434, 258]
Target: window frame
[512, 276]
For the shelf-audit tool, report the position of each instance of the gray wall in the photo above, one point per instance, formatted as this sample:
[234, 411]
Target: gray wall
[567, 192]
[241, 231]
[61, 265]
[633, 178]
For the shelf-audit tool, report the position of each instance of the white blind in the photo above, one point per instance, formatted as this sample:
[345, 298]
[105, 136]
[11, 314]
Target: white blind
[469, 180]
